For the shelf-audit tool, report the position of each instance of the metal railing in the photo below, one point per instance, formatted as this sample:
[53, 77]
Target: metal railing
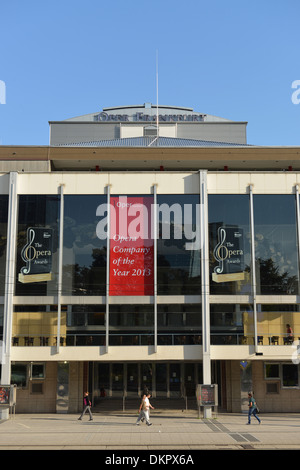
[163, 339]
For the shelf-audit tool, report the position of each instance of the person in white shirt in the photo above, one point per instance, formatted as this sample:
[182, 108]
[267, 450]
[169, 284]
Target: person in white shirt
[144, 410]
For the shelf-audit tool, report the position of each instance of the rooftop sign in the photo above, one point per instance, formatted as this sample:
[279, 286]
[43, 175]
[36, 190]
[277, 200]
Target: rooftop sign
[141, 117]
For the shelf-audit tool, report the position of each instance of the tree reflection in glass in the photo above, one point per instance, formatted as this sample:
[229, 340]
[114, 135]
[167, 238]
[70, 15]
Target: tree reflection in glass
[276, 244]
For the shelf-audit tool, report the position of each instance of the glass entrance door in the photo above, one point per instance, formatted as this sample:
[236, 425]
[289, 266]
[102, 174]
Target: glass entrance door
[117, 380]
[132, 380]
[161, 380]
[146, 376]
[189, 380]
[175, 381]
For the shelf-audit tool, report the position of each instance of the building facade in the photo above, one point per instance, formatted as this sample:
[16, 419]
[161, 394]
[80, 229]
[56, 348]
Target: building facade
[149, 260]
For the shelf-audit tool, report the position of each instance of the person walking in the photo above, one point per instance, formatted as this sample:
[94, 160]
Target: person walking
[86, 406]
[252, 408]
[144, 410]
[141, 412]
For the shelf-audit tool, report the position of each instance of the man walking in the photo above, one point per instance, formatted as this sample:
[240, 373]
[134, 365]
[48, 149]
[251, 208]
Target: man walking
[86, 406]
[252, 408]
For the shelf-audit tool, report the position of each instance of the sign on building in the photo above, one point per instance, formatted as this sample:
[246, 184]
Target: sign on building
[131, 247]
[8, 395]
[207, 395]
[37, 255]
[229, 253]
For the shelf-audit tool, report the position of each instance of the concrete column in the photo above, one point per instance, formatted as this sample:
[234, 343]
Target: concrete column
[204, 244]
[9, 285]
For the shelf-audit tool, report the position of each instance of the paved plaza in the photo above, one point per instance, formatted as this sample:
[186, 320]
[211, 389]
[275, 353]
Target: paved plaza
[170, 431]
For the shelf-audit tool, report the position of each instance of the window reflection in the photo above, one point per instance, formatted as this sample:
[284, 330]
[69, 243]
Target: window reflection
[275, 244]
[3, 238]
[231, 324]
[179, 324]
[178, 268]
[84, 258]
[278, 324]
[40, 211]
[230, 213]
[36, 325]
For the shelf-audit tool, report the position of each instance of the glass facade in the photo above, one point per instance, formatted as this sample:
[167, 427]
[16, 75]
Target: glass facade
[178, 322]
[155, 334]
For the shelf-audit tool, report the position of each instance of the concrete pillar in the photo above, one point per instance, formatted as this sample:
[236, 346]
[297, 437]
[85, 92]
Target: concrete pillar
[204, 246]
[9, 286]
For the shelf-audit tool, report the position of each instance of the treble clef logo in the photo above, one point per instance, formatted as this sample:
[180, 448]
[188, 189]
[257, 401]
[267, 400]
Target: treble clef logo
[220, 251]
[28, 252]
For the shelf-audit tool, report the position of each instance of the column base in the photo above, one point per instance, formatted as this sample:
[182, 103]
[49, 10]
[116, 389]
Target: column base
[4, 414]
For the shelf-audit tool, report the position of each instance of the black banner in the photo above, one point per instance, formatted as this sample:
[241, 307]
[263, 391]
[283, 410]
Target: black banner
[37, 255]
[229, 253]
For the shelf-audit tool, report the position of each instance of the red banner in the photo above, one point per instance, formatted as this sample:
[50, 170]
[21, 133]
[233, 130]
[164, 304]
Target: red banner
[131, 246]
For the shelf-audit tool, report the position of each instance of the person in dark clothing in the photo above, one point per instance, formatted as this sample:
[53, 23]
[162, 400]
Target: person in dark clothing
[290, 335]
[86, 406]
[252, 408]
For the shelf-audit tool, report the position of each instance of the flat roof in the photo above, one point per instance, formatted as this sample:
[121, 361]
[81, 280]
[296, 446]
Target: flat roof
[239, 158]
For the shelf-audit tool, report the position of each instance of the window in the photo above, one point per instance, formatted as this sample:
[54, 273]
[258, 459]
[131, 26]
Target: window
[290, 375]
[287, 374]
[272, 371]
[229, 238]
[272, 388]
[178, 253]
[275, 244]
[84, 257]
[229, 323]
[86, 315]
[19, 375]
[37, 371]
[270, 327]
[150, 131]
[131, 316]
[37, 226]
[37, 388]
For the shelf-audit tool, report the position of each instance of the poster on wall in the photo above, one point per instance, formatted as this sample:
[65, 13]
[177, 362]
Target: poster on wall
[37, 255]
[229, 253]
[131, 246]
[4, 395]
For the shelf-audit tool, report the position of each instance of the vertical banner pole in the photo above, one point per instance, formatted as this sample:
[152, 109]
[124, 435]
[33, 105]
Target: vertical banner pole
[253, 267]
[107, 270]
[155, 263]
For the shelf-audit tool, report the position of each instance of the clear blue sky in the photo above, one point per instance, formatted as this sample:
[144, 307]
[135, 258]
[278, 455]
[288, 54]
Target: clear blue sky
[235, 59]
